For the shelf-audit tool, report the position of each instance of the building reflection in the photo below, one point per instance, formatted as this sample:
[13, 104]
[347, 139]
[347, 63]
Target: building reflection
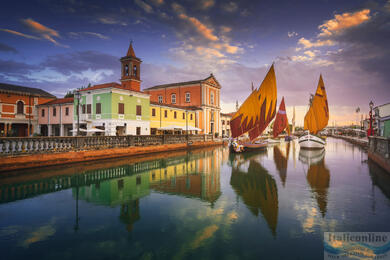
[318, 176]
[380, 178]
[258, 190]
[281, 162]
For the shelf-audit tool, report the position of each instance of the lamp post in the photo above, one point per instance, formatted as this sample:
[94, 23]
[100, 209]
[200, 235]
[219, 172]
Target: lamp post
[187, 125]
[78, 112]
[370, 130]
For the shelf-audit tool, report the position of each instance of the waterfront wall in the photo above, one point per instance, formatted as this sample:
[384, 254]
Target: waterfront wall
[39, 152]
[379, 151]
[35, 145]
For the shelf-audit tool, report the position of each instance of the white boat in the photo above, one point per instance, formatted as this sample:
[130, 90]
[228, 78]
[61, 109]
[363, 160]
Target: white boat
[316, 119]
[309, 141]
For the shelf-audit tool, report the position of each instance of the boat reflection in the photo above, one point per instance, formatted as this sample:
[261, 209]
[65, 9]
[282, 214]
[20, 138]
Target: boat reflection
[281, 162]
[318, 176]
[258, 190]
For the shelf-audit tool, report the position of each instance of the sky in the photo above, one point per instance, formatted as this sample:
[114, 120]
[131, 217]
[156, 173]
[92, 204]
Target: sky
[62, 45]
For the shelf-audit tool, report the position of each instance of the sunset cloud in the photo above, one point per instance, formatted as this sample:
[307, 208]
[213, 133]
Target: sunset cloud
[43, 31]
[200, 27]
[77, 35]
[146, 7]
[230, 7]
[319, 43]
[20, 34]
[206, 4]
[344, 21]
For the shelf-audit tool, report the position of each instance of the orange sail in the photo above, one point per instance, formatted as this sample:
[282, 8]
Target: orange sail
[317, 117]
[258, 110]
[281, 121]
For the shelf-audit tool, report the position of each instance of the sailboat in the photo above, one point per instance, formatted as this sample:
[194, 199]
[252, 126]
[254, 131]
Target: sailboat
[316, 119]
[255, 114]
[281, 122]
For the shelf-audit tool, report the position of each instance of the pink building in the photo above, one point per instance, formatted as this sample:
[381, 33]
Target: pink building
[55, 118]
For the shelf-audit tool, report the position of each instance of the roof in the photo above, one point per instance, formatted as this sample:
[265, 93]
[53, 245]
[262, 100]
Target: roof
[58, 101]
[183, 83]
[228, 114]
[111, 85]
[23, 90]
[131, 52]
[176, 106]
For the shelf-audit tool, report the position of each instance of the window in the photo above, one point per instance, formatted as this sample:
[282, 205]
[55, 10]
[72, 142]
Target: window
[139, 110]
[120, 184]
[54, 111]
[184, 116]
[188, 97]
[135, 70]
[83, 109]
[43, 112]
[173, 98]
[174, 115]
[138, 130]
[67, 111]
[20, 107]
[223, 122]
[138, 180]
[153, 112]
[121, 108]
[89, 110]
[212, 98]
[126, 70]
[191, 117]
[165, 113]
[98, 109]
[160, 100]
[228, 122]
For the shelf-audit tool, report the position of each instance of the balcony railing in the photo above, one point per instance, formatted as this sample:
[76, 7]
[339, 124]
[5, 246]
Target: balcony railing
[33, 145]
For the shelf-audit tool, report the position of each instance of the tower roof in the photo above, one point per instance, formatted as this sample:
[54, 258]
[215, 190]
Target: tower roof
[131, 52]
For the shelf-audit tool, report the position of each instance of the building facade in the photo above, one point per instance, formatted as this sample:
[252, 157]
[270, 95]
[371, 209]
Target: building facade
[18, 112]
[116, 109]
[203, 94]
[55, 118]
[225, 124]
[382, 118]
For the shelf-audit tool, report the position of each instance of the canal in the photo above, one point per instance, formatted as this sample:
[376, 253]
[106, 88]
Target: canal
[201, 204]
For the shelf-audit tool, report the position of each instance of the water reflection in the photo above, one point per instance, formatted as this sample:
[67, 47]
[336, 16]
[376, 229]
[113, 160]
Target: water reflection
[318, 176]
[281, 162]
[257, 188]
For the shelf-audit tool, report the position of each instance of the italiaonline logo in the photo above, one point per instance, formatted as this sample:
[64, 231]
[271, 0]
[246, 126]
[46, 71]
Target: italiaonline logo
[356, 245]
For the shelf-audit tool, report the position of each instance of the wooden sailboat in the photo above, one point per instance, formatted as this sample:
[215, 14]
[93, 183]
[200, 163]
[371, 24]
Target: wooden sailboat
[316, 119]
[281, 122]
[255, 114]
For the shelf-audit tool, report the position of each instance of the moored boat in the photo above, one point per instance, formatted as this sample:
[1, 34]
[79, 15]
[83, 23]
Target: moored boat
[316, 119]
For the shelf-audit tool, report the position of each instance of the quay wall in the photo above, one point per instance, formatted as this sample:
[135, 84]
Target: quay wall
[379, 151]
[354, 140]
[25, 153]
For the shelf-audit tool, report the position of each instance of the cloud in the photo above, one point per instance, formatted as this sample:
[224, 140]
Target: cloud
[20, 34]
[158, 2]
[78, 35]
[110, 21]
[6, 48]
[205, 31]
[292, 34]
[225, 29]
[43, 31]
[230, 7]
[319, 43]
[146, 7]
[209, 52]
[206, 4]
[311, 54]
[344, 21]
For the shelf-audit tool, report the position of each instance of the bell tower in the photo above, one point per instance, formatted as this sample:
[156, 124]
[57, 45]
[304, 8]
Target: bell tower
[131, 73]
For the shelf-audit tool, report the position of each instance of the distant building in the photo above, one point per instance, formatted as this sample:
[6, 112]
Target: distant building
[18, 113]
[225, 124]
[118, 109]
[382, 117]
[203, 94]
[55, 118]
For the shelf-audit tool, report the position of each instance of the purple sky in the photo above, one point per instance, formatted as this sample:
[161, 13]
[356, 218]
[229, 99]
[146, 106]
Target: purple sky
[62, 45]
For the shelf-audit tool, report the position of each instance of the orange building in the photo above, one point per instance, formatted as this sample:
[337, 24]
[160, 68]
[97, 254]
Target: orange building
[18, 113]
[204, 94]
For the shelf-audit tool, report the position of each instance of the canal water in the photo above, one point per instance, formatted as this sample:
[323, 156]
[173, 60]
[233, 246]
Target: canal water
[201, 204]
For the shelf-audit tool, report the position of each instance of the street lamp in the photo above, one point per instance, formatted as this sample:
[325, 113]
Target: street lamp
[187, 124]
[370, 131]
[77, 93]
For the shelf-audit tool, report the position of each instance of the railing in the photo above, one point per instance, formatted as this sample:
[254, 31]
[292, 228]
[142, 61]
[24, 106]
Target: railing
[379, 145]
[32, 145]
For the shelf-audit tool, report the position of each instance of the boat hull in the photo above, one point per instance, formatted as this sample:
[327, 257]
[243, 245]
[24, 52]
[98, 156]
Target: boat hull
[309, 141]
[254, 146]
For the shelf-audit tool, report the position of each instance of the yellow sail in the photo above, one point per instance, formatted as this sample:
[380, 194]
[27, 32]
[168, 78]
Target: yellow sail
[317, 117]
[258, 110]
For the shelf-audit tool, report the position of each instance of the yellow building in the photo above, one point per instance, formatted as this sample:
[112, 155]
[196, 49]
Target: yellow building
[172, 118]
